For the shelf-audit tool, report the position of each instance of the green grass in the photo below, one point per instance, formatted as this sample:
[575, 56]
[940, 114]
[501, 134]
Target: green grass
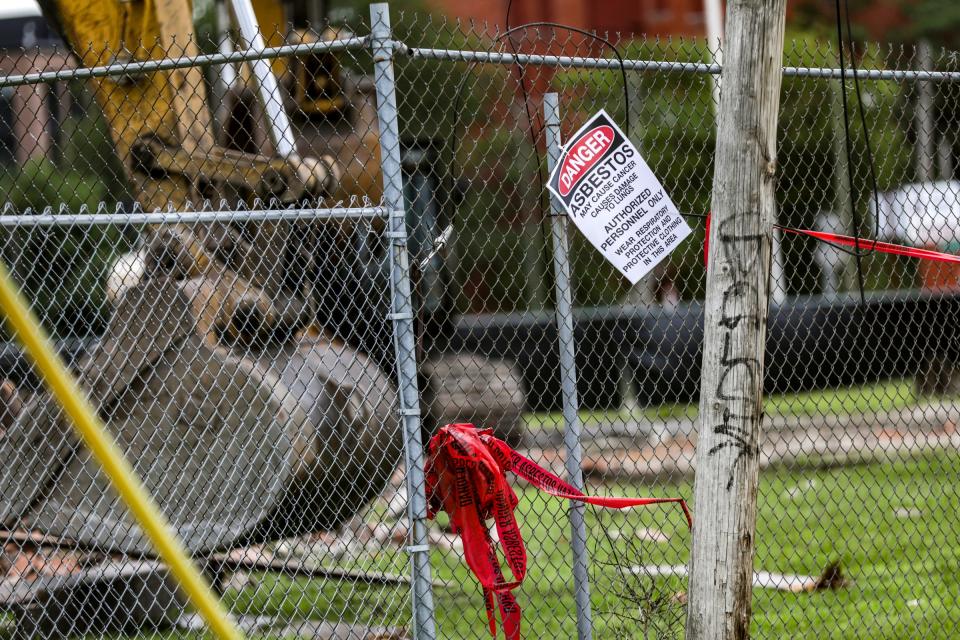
[892, 525]
[850, 515]
[881, 396]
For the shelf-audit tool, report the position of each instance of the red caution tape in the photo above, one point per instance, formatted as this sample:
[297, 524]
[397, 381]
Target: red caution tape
[849, 241]
[466, 478]
[876, 245]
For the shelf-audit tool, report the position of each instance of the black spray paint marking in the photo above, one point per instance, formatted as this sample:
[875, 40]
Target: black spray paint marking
[740, 257]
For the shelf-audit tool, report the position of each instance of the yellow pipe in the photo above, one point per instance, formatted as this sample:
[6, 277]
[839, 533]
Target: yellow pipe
[111, 459]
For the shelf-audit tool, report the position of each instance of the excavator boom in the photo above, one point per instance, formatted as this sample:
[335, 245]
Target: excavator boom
[208, 345]
[159, 119]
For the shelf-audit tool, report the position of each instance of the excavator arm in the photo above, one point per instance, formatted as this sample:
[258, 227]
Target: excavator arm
[161, 126]
[160, 121]
[207, 344]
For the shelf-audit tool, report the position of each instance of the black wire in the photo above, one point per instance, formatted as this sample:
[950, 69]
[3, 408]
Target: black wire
[847, 147]
[594, 36]
[875, 191]
[864, 128]
[782, 227]
[533, 134]
[857, 252]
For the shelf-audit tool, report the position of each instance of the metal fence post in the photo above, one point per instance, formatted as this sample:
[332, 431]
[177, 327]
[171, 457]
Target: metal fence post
[568, 377]
[424, 627]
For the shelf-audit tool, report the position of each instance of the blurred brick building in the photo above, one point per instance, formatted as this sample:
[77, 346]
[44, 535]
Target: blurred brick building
[676, 18]
[651, 17]
[30, 114]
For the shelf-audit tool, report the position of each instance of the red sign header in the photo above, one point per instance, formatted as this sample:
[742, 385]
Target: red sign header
[584, 154]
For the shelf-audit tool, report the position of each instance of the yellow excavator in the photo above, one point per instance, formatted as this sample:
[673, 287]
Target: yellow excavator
[213, 371]
[248, 377]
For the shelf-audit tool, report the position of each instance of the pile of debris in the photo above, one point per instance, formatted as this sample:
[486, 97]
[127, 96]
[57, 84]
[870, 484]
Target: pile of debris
[57, 587]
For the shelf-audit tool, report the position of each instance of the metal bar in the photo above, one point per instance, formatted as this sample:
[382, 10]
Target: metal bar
[178, 217]
[278, 123]
[873, 74]
[261, 563]
[505, 58]
[499, 57]
[424, 625]
[491, 57]
[568, 377]
[297, 568]
[166, 64]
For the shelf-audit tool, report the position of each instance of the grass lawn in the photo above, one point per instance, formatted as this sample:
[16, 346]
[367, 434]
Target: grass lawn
[871, 398]
[892, 525]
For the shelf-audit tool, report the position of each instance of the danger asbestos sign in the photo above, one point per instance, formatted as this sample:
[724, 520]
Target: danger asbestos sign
[615, 200]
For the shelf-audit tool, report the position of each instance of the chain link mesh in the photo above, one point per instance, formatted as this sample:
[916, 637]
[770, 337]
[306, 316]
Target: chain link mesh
[229, 313]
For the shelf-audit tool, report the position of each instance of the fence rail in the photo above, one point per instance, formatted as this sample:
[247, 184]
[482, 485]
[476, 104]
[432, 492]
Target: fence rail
[174, 217]
[455, 55]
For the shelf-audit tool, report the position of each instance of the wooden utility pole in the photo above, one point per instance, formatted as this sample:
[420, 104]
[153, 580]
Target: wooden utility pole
[731, 403]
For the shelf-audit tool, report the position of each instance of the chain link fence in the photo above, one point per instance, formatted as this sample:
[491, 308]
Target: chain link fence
[276, 293]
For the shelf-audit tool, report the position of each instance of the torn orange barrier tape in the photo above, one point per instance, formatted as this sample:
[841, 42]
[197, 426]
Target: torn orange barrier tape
[122, 476]
[465, 475]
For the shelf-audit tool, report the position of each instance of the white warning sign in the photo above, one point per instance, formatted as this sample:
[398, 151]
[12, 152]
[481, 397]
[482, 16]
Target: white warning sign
[615, 200]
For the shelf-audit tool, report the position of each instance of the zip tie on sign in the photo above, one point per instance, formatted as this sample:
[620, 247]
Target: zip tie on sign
[466, 477]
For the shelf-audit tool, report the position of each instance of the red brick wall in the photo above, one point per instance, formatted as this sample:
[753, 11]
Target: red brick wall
[882, 20]
[652, 17]
[657, 17]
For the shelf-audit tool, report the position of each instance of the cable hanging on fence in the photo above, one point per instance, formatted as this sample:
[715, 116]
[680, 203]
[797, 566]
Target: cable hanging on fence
[857, 253]
[534, 135]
